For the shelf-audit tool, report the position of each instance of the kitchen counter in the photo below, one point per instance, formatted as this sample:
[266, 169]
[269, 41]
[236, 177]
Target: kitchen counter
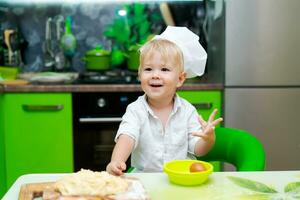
[220, 185]
[97, 87]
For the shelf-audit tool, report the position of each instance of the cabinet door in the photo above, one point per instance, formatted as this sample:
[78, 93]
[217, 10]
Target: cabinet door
[2, 150]
[38, 134]
[205, 102]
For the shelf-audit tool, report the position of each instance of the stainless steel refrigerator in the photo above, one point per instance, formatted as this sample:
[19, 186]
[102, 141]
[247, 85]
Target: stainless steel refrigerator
[262, 76]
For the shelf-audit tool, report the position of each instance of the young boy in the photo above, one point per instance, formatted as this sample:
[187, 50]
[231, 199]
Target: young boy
[161, 126]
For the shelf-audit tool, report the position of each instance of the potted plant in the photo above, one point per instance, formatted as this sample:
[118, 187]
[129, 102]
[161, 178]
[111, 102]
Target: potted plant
[129, 30]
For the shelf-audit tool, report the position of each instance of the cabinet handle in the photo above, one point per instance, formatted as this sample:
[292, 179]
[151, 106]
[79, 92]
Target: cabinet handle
[204, 105]
[100, 120]
[42, 107]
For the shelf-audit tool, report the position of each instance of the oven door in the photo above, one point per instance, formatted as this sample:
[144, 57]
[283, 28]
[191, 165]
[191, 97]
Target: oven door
[95, 123]
[94, 142]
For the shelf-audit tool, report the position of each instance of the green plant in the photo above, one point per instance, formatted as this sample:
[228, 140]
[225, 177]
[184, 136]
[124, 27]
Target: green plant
[129, 30]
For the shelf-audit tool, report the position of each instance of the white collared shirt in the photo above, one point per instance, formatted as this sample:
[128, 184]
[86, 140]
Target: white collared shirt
[153, 145]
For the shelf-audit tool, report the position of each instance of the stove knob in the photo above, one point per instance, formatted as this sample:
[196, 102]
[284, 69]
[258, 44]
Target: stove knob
[128, 79]
[101, 102]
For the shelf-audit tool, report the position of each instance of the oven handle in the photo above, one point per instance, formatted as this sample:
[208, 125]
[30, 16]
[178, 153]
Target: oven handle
[100, 120]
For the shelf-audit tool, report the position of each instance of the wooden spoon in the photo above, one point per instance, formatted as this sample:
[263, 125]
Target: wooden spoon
[7, 34]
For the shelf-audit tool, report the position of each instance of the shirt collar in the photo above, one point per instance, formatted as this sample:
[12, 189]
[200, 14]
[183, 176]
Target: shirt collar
[149, 110]
[176, 106]
[177, 103]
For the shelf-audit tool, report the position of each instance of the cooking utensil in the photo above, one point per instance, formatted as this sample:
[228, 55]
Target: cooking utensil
[49, 56]
[59, 60]
[167, 15]
[14, 82]
[9, 73]
[7, 34]
[59, 54]
[133, 60]
[68, 41]
[97, 59]
[53, 77]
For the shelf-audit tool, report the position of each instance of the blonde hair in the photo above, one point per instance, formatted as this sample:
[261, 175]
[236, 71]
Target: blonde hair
[167, 49]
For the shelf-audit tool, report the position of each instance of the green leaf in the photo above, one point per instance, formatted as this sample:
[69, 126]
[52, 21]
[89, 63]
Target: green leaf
[252, 185]
[133, 39]
[138, 9]
[293, 189]
[117, 57]
[129, 30]
[253, 197]
[109, 32]
[155, 17]
[144, 28]
[121, 33]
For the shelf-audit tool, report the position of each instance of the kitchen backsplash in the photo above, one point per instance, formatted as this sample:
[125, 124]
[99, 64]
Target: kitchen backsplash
[88, 23]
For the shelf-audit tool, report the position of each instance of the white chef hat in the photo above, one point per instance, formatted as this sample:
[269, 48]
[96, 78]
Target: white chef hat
[194, 55]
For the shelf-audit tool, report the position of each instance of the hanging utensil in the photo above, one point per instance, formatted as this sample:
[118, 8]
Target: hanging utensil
[59, 54]
[7, 34]
[167, 15]
[15, 45]
[48, 36]
[49, 56]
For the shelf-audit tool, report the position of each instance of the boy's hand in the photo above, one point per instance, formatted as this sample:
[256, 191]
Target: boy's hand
[208, 128]
[116, 168]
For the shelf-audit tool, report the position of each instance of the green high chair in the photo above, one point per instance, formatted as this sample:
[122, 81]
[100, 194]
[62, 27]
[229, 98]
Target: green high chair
[239, 148]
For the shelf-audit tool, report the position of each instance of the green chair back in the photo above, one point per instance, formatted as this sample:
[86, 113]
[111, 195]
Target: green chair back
[239, 148]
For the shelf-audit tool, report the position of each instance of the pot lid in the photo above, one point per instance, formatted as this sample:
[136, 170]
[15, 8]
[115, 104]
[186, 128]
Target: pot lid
[98, 51]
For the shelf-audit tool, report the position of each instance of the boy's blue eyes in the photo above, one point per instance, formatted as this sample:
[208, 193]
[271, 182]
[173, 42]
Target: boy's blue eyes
[164, 69]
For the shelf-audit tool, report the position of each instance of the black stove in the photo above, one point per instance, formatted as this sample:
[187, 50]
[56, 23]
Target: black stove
[109, 77]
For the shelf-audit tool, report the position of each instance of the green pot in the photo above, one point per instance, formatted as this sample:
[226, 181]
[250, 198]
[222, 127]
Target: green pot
[8, 73]
[97, 60]
[133, 60]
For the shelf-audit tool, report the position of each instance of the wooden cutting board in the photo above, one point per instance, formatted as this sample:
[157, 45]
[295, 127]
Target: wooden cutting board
[14, 82]
[33, 190]
[45, 190]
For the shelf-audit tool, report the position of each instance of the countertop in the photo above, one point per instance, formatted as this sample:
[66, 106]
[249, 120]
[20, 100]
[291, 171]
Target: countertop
[220, 185]
[97, 87]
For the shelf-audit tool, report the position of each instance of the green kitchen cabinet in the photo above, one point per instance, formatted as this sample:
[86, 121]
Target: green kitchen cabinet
[2, 153]
[35, 135]
[205, 102]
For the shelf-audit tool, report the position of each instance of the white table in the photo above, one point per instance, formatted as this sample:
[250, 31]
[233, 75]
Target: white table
[218, 186]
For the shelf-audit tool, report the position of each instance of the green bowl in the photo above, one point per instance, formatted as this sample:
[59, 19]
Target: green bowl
[9, 73]
[179, 173]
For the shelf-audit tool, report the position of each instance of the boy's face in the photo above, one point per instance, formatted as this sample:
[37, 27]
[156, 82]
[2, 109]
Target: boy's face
[160, 77]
